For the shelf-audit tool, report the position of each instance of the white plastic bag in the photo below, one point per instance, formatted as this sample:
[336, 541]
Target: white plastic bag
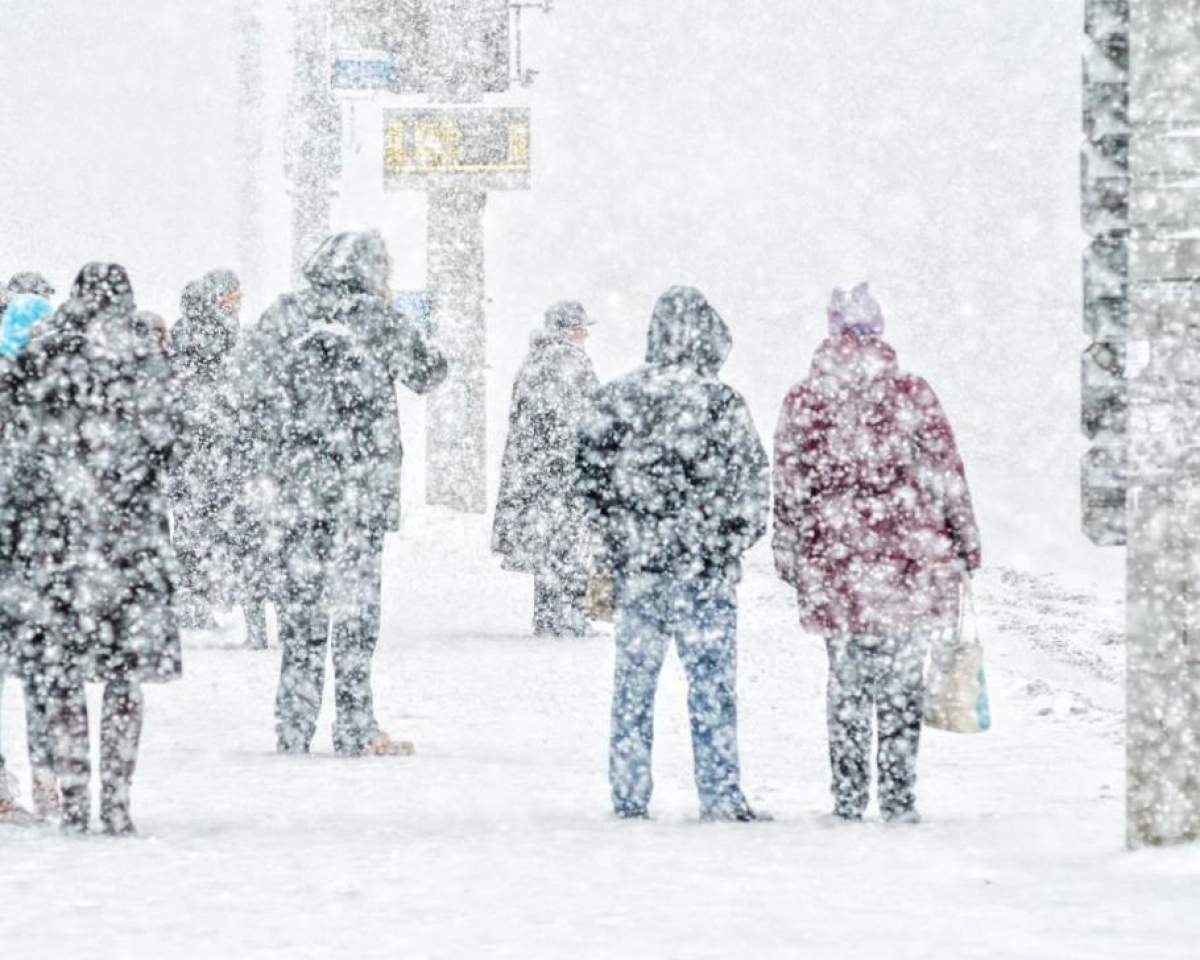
[956, 697]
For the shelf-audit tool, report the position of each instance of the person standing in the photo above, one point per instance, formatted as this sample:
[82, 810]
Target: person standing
[202, 487]
[22, 315]
[87, 532]
[874, 529]
[327, 390]
[541, 524]
[676, 479]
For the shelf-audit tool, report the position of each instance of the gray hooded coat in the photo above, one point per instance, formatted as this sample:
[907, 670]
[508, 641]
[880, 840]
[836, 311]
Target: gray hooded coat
[91, 426]
[671, 467]
[341, 328]
[541, 519]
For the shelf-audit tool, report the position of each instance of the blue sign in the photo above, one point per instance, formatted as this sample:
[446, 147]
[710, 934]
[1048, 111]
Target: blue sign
[414, 304]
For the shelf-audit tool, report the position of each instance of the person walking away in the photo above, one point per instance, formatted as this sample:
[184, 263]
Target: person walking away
[874, 529]
[87, 532]
[22, 315]
[202, 486]
[336, 462]
[541, 523]
[676, 479]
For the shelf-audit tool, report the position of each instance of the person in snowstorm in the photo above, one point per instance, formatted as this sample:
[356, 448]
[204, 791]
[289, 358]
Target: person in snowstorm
[874, 529]
[676, 479]
[202, 486]
[87, 535]
[27, 282]
[541, 525]
[23, 312]
[335, 461]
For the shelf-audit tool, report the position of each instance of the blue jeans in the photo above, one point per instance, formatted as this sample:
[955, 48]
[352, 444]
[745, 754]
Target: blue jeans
[700, 616]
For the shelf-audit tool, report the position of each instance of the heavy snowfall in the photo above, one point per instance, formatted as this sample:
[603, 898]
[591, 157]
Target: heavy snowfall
[782, 350]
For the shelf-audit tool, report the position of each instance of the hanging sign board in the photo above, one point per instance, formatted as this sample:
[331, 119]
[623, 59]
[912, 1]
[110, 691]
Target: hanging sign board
[380, 45]
[477, 148]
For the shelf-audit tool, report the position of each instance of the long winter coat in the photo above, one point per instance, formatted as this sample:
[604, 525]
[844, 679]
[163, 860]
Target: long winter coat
[873, 518]
[203, 486]
[541, 519]
[670, 464]
[91, 568]
[321, 371]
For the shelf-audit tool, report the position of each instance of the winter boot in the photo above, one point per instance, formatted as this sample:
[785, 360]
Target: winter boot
[733, 809]
[11, 811]
[76, 809]
[114, 810]
[47, 804]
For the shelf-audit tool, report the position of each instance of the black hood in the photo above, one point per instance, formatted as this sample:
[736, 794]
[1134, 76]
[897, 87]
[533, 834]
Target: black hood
[685, 330]
[101, 290]
[205, 333]
[350, 263]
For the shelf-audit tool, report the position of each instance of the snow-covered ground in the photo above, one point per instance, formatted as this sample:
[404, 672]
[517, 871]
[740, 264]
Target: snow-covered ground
[496, 839]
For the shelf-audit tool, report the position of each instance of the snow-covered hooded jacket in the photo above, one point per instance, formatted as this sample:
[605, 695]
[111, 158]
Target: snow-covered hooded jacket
[371, 347]
[670, 464]
[85, 522]
[202, 487]
[873, 518]
[540, 517]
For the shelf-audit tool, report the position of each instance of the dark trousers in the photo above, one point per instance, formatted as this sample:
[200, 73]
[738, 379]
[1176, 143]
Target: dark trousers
[875, 681]
[120, 734]
[313, 609]
[558, 603]
[255, 611]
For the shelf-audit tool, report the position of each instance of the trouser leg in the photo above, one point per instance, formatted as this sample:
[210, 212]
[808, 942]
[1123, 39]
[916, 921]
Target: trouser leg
[68, 725]
[303, 631]
[558, 601]
[355, 637]
[546, 621]
[640, 647]
[848, 712]
[255, 612]
[705, 626]
[900, 701]
[120, 735]
[37, 724]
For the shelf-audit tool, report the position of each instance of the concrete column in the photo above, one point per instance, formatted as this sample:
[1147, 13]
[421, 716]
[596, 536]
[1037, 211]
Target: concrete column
[314, 137]
[251, 233]
[456, 443]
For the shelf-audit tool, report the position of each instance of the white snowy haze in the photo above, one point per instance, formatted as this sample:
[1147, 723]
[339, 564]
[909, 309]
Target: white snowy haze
[764, 151]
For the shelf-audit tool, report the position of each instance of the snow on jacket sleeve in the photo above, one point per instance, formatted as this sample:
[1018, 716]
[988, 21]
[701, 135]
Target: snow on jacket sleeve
[790, 487]
[747, 493]
[944, 472]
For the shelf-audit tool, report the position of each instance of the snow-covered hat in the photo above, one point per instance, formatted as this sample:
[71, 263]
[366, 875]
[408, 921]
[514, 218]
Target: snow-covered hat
[30, 281]
[567, 315]
[856, 312]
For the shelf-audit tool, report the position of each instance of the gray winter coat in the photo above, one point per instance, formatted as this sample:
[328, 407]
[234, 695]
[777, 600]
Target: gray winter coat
[672, 469]
[541, 519]
[90, 426]
[343, 324]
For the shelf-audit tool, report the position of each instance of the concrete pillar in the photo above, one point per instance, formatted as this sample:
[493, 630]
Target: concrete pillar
[314, 136]
[456, 448]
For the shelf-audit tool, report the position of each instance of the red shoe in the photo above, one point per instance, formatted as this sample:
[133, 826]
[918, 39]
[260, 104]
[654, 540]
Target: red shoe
[384, 746]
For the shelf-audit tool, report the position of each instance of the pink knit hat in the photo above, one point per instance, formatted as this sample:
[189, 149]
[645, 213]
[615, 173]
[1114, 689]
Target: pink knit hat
[856, 312]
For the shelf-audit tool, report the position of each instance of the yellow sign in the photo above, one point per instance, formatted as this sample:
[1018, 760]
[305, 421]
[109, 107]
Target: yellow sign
[487, 147]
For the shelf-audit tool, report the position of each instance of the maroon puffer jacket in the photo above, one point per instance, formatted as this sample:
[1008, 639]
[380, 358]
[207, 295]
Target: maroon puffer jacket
[873, 518]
